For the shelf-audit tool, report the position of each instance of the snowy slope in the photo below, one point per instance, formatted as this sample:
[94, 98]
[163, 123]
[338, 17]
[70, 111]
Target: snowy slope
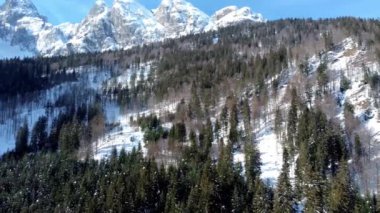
[13, 113]
[349, 59]
[125, 136]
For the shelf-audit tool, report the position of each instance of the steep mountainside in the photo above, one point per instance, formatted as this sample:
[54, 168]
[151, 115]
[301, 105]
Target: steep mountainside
[94, 32]
[21, 23]
[237, 120]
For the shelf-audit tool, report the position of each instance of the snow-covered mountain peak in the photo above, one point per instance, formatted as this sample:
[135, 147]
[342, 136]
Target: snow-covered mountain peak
[21, 5]
[125, 24]
[100, 7]
[180, 17]
[98, 11]
[247, 12]
[232, 15]
[14, 10]
[170, 3]
[133, 24]
[224, 11]
[100, 2]
[131, 9]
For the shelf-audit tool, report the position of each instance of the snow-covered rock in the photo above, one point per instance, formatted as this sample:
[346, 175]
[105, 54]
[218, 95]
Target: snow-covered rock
[233, 15]
[180, 17]
[20, 23]
[68, 29]
[134, 24]
[95, 32]
[14, 10]
[51, 42]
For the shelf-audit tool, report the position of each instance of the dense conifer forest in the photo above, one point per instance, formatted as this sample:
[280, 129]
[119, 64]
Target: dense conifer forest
[224, 85]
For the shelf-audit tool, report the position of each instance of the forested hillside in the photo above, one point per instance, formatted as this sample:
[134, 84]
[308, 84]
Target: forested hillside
[281, 116]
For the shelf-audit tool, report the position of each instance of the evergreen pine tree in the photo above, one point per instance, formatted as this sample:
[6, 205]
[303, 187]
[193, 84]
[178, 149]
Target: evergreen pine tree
[234, 135]
[358, 147]
[278, 120]
[342, 196]
[292, 122]
[283, 201]
[22, 140]
[252, 165]
[69, 139]
[315, 192]
[261, 200]
[39, 135]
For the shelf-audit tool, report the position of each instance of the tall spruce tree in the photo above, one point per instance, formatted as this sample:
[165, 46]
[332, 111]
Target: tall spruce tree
[342, 194]
[284, 194]
[22, 140]
[292, 122]
[39, 135]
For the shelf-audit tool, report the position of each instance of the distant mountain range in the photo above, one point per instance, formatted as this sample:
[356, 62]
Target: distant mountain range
[125, 24]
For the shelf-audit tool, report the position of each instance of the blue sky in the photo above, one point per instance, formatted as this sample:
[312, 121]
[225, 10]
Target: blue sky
[59, 11]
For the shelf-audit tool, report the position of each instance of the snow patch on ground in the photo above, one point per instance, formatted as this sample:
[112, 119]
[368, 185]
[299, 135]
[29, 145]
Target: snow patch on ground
[125, 134]
[271, 154]
[124, 137]
[136, 74]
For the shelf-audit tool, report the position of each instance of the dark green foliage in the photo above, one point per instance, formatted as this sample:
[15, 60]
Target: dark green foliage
[195, 107]
[252, 164]
[233, 134]
[322, 78]
[22, 139]
[246, 112]
[206, 138]
[345, 84]
[283, 201]
[292, 121]
[178, 132]
[358, 147]
[39, 136]
[342, 194]
[69, 139]
[152, 128]
[278, 122]
[374, 81]
[365, 204]
[224, 116]
[348, 108]
[29, 75]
